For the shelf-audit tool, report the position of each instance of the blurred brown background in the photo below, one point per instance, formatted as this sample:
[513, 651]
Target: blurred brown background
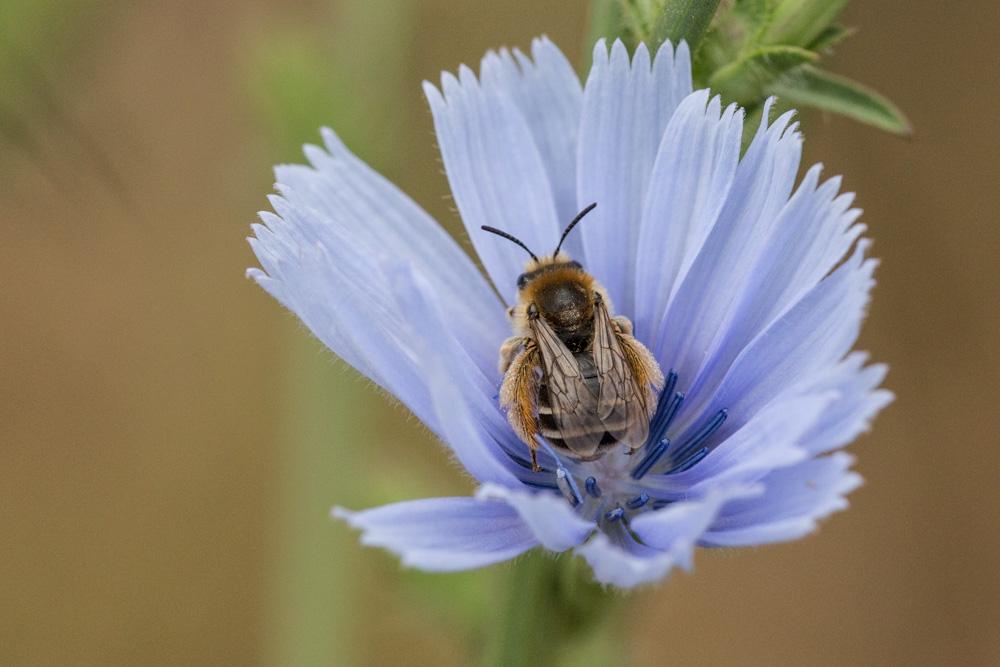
[169, 434]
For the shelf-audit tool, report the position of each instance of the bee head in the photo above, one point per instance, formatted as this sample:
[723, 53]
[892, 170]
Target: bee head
[538, 267]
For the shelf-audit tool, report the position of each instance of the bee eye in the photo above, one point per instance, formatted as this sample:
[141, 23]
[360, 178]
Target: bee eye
[576, 265]
[522, 280]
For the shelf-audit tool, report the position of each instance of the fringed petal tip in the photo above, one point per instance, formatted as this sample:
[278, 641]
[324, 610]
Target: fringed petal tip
[443, 534]
[343, 514]
[795, 499]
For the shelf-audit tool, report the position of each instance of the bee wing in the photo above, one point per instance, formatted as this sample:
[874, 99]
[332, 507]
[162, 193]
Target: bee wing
[622, 404]
[574, 405]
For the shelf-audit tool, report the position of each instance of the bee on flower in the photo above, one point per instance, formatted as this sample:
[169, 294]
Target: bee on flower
[680, 372]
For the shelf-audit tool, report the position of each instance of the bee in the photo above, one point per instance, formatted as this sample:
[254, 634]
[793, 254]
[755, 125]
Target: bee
[573, 373]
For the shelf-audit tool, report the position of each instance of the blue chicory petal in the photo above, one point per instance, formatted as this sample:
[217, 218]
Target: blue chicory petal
[815, 333]
[462, 403]
[677, 528]
[705, 299]
[444, 534]
[553, 522]
[626, 108]
[549, 96]
[772, 439]
[795, 498]
[694, 169]
[858, 401]
[624, 563]
[496, 173]
[811, 234]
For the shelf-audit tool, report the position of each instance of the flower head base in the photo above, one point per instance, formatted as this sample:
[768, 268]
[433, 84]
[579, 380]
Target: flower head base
[743, 286]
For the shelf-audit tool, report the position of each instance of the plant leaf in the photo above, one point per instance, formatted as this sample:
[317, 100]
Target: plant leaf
[757, 16]
[746, 79]
[831, 36]
[800, 22]
[812, 87]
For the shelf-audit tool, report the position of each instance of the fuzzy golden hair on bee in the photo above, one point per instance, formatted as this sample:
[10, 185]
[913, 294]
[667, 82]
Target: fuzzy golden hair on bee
[560, 292]
[573, 374]
[545, 273]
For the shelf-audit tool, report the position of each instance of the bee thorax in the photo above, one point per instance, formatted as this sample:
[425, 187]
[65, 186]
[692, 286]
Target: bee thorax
[564, 303]
[568, 308]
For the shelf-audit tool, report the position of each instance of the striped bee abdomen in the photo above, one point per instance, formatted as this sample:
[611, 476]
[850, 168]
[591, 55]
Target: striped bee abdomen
[549, 427]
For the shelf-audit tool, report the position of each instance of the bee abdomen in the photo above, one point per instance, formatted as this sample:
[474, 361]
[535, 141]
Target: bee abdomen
[549, 427]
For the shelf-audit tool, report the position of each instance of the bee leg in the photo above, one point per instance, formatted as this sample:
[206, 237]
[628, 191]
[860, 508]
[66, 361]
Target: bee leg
[519, 395]
[509, 350]
[622, 324]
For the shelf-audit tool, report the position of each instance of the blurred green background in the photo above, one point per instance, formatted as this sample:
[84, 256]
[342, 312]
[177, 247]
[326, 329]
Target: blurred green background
[171, 440]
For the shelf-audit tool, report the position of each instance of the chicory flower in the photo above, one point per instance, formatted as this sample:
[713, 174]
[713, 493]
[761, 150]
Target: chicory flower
[748, 289]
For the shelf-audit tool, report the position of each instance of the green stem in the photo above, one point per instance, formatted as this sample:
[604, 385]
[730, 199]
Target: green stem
[308, 622]
[553, 614]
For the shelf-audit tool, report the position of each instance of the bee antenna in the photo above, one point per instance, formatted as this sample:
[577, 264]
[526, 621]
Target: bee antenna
[509, 237]
[572, 224]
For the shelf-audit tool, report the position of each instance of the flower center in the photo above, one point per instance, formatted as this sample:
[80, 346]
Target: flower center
[615, 487]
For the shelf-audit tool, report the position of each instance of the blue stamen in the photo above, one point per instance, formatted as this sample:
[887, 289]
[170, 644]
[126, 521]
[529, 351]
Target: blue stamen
[703, 434]
[638, 501]
[615, 514]
[675, 405]
[668, 387]
[689, 462]
[592, 487]
[568, 487]
[661, 406]
[665, 412]
[650, 459]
